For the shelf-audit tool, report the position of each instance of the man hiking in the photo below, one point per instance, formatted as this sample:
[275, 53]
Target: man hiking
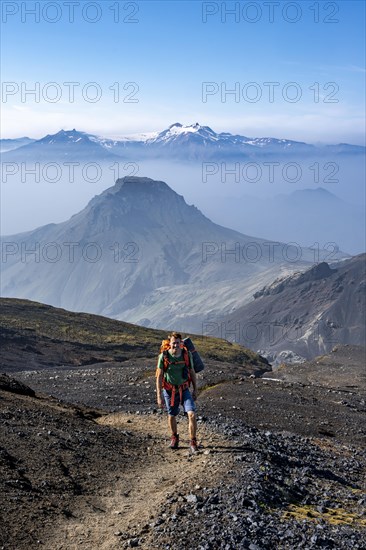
[175, 372]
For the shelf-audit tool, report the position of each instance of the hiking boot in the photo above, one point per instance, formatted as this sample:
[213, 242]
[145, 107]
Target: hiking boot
[193, 445]
[174, 442]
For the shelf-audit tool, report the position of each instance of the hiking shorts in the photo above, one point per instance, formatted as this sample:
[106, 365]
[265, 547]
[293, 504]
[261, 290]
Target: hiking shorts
[187, 400]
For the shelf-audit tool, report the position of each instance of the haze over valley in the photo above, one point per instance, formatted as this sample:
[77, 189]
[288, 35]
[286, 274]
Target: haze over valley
[272, 188]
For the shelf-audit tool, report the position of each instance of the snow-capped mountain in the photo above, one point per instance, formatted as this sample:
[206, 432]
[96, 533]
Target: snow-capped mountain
[179, 134]
[192, 142]
[65, 136]
[202, 142]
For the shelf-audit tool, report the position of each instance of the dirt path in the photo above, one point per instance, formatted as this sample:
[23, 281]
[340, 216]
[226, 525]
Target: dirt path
[127, 509]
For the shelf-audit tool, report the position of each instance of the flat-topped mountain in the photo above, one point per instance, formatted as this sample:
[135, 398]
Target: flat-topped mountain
[140, 253]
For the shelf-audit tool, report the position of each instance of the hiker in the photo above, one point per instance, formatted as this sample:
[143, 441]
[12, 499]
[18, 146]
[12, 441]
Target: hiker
[174, 373]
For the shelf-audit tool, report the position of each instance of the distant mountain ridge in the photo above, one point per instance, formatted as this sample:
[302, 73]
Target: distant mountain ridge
[69, 145]
[308, 215]
[308, 313]
[177, 141]
[10, 144]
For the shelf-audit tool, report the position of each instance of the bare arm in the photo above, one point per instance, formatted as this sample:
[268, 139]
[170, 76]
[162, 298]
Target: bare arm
[159, 384]
[194, 384]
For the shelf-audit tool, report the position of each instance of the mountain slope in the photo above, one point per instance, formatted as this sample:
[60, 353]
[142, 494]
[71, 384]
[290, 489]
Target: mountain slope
[69, 145]
[36, 336]
[307, 313]
[10, 144]
[138, 252]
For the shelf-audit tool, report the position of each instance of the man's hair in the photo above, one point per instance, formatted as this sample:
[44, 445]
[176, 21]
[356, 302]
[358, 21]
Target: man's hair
[175, 335]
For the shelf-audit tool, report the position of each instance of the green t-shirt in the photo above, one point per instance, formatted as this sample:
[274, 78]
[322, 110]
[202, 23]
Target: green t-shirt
[176, 370]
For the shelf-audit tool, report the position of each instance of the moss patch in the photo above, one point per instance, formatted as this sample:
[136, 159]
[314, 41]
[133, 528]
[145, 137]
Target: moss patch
[333, 516]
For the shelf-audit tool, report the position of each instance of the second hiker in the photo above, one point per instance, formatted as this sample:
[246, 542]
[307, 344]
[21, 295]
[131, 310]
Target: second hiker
[175, 372]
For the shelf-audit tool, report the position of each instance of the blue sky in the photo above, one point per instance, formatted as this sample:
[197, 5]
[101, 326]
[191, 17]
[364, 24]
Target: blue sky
[297, 68]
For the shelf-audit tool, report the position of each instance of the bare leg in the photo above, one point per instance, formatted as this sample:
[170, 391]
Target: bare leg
[172, 421]
[192, 424]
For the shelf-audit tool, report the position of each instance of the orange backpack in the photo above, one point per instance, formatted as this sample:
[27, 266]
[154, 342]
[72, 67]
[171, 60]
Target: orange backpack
[165, 345]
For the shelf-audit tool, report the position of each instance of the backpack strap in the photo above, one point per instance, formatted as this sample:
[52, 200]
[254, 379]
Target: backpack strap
[185, 384]
[185, 355]
[175, 389]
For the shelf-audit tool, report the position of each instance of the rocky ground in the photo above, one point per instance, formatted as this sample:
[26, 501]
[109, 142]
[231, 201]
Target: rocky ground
[281, 465]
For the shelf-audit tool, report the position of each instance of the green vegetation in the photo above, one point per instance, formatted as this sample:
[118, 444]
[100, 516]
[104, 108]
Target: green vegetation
[336, 516]
[46, 323]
